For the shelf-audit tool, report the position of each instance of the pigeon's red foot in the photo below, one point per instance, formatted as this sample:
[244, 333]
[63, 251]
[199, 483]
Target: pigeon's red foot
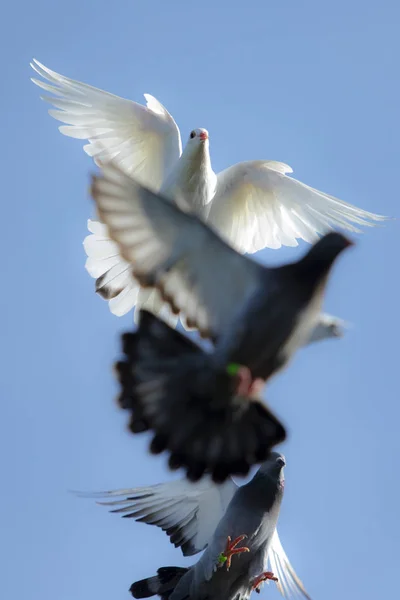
[266, 576]
[245, 381]
[256, 387]
[248, 386]
[225, 557]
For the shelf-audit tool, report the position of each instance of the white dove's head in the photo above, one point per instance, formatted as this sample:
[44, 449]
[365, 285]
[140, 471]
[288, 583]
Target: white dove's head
[198, 136]
[196, 154]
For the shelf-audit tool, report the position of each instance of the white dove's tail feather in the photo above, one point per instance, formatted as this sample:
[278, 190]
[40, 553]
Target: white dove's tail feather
[114, 279]
[171, 387]
[162, 584]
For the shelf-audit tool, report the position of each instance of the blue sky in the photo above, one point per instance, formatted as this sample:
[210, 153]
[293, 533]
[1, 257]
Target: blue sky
[310, 84]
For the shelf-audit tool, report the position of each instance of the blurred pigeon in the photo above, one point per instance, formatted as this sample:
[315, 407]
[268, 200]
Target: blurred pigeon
[190, 512]
[222, 520]
[219, 430]
[257, 317]
[99, 249]
[252, 204]
[253, 429]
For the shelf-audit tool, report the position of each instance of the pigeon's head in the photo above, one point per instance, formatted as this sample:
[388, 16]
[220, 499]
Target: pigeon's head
[198, 137]
[316, 264]
[273, 466]
[328, 248]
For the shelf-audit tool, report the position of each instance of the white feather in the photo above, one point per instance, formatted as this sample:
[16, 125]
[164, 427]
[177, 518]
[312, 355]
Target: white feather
[288, 583]
[196, 509]
[257, 206]
[143, 140]
[253, 205]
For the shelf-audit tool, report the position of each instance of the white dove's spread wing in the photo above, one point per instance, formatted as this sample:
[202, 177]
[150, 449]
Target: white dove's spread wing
[196, 272]
[256, 205]
[143, 140]
[188, 512]
[288, 583]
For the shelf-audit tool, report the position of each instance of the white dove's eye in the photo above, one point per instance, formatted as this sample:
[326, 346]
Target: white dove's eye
[192, 134]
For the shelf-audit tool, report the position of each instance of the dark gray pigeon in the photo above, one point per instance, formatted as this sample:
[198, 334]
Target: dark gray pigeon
[235, 561]
[253, 204]
[190, 513]
[242, 430]
[253, 429]
[257, 317]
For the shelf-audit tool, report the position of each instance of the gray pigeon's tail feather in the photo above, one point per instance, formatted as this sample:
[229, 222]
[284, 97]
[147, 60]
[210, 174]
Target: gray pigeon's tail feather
[162, 584]
[170, 385]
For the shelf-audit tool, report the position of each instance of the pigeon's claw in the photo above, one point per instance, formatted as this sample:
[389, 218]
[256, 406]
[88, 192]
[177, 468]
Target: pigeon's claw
[256, 388]
[225, 557]
[246, 386]
[245, 381]
[266, 576]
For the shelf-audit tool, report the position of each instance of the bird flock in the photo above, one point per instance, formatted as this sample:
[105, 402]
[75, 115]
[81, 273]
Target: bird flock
[171, 242]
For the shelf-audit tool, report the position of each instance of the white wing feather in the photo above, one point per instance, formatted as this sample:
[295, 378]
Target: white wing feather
[175, 252]
[143, 140]
[257, 206]
[288, 583]
[114, 279]
[188, 512]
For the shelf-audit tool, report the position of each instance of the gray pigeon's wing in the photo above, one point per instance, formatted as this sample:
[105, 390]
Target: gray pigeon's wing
[196, 272]
[188, 512]
[288, 583]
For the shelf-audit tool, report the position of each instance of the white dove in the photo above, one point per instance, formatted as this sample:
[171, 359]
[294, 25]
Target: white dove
[252, 204]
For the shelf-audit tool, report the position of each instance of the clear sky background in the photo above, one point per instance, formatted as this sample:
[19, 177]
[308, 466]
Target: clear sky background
[310, 83]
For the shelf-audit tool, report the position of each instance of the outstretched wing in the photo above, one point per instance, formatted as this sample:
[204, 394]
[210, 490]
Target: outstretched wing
[256, 205]
[195, 271]
[288, 583]
[143, 140]
[188, 512]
